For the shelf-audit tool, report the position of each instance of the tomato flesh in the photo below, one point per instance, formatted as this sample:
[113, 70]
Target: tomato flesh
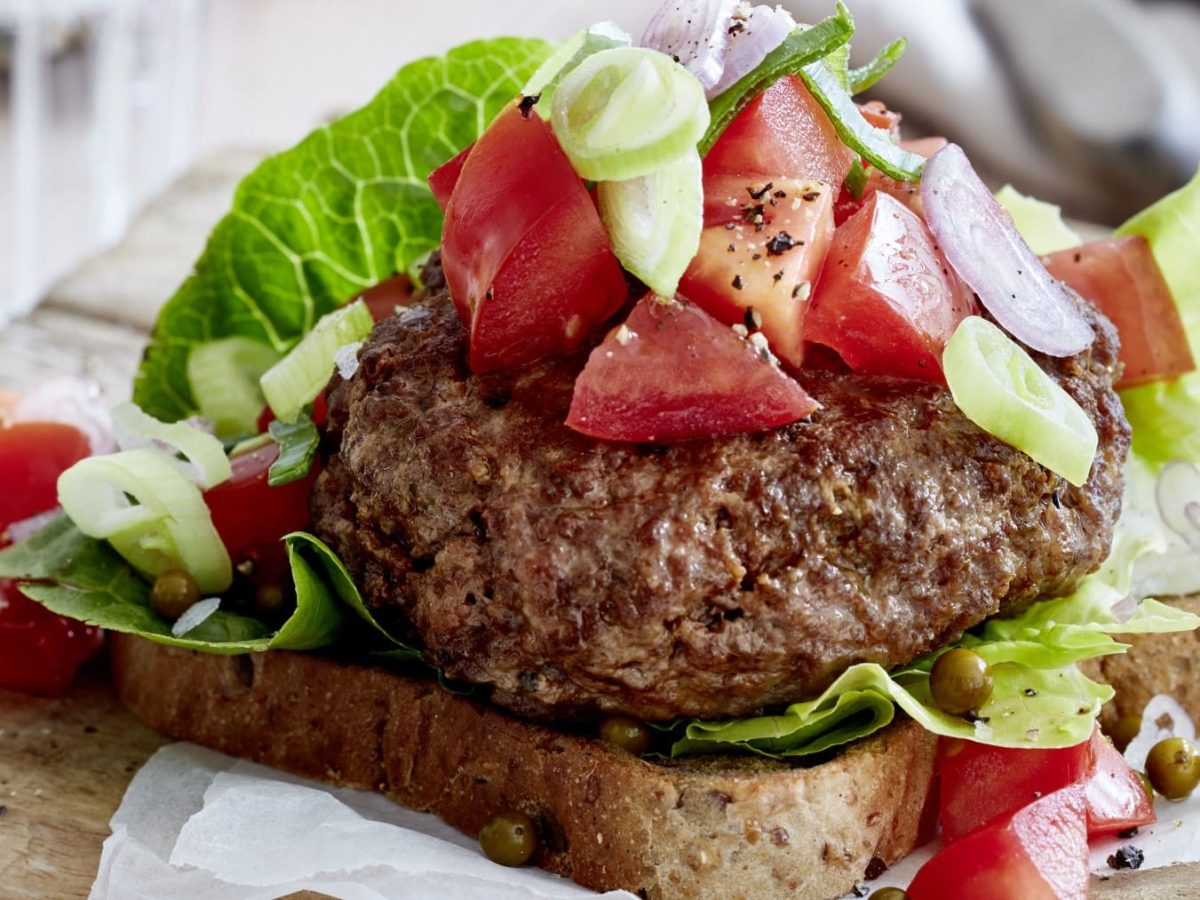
[1116, 799]
[887, 301]
[40, 653]
[252, 517]
[767, 262]
[673, 372]
[1038, 852]
[1120, 276]
[784, 133]
[527, 259]
[444, 178]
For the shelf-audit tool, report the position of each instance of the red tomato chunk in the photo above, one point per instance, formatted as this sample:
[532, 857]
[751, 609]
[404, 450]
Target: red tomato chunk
[1038, 852]
[1121, 277]
[527, 259]
[1116, 799]
[40, 653]
[887, 301]
[673, 372]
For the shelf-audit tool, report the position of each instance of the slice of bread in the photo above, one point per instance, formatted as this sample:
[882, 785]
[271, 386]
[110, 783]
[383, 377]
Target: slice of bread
[703, 827]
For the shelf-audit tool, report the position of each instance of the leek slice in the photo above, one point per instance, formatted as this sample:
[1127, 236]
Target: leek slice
[224, 378]
[564, 60]
[655, 222]
[152, 515]
[206, 463]
[627, 112]
[296, 380]
[1002, 390]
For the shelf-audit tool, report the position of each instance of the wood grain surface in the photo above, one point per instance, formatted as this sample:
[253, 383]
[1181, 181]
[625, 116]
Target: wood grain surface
[65, 764]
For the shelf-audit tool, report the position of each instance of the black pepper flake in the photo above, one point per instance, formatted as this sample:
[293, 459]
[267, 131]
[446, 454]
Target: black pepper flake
[972, 718]
[1030, 692]
[1128, 857]
[733, 248]
[749, 319]
[1055, 500]
[729, 226]
[780, 195]
[1126, 833]
[875, 868]
[754, 213]
[1078, 257]
[860, 890]
[756, 257]
[761, 192]
[528, 102]
[781, 244]
[737, 282]
[778, 276]
[3, 809]
[488, 295]
[811, 196]
[737, 27]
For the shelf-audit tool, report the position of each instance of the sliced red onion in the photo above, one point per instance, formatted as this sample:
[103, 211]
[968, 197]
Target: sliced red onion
[346, 360]
[70, 401]
[985, 248]
[695, 33]
[1124, 608]
[1178, 496]
[750, 40]
[27, 528]
[1162, 718]
[196, 616]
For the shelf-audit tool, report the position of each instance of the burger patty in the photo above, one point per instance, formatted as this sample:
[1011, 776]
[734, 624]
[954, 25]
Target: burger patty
[709, 578]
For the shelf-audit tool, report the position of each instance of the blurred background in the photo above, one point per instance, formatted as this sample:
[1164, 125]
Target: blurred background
[103, 103]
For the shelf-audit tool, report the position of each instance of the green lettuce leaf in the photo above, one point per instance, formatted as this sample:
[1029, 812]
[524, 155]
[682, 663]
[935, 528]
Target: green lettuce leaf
[1165, 414]
[1039, 222]
[83, 578]
[348, 207]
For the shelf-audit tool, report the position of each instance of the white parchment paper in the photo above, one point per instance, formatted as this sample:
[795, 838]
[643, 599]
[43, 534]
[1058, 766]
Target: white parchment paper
[198, 825]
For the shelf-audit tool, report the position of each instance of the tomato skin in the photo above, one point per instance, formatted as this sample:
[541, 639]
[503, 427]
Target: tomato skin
[1121, 277]
[40, 652]
[672, 372]
[444, 178]
[981, 782]
[728, 283]
[887, 300]
[527, 259]
[251, 516]
[1116, 799]
[785, 133]
[1038, 852]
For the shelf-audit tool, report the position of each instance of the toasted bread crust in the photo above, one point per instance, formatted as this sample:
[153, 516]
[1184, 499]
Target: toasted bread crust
[724, 826]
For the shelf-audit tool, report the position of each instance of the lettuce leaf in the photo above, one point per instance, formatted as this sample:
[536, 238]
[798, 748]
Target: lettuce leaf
[1165, 415]
[1039, 222]
[1039, 699]
[83, 578]
[348, 207]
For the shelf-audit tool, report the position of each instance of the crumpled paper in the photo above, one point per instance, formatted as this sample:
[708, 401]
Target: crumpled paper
[198, 825]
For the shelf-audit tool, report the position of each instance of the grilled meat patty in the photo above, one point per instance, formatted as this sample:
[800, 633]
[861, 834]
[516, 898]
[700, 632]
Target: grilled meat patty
[710, 578]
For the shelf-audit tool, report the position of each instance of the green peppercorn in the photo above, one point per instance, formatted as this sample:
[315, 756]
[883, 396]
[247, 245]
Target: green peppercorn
[1124, 730]
[270, 599]
[626, 733]
[960, 681]
[174, 593]
[889, 893]
[1146, 785]
[509, 838]
[1173, 767]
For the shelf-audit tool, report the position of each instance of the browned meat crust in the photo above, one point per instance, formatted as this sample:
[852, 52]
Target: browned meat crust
[711, 578]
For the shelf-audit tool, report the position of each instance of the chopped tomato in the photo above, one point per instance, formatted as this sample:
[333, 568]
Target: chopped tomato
[760, 252]
[879, 116]
[1120, 277]
[1115, 797]
[40, 652]
[251, 516]
[673, 372]
[384, 298]
[907, 192]
[444, 178]
[887, 300]
[527, 259]
[981, 782]
[782, 133]
[1038, 852]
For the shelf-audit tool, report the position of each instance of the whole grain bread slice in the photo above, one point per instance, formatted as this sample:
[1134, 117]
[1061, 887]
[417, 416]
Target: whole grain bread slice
[706, 827]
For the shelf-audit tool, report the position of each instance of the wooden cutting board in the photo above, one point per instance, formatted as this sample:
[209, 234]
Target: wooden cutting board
[65, 764]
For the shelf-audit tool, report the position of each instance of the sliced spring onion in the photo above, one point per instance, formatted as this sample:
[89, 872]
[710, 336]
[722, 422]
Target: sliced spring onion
[1178, 496]
[1002, 390]
[296, 380]
[866, 77]
[224, 378]
[800, 48]
[695, 34]
[1040, 223]
[873, 144]
[655, 221]
[206, 463]
[298, 443]
[989, 254]
[140, 502]
[626, 112]
[564, 60]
